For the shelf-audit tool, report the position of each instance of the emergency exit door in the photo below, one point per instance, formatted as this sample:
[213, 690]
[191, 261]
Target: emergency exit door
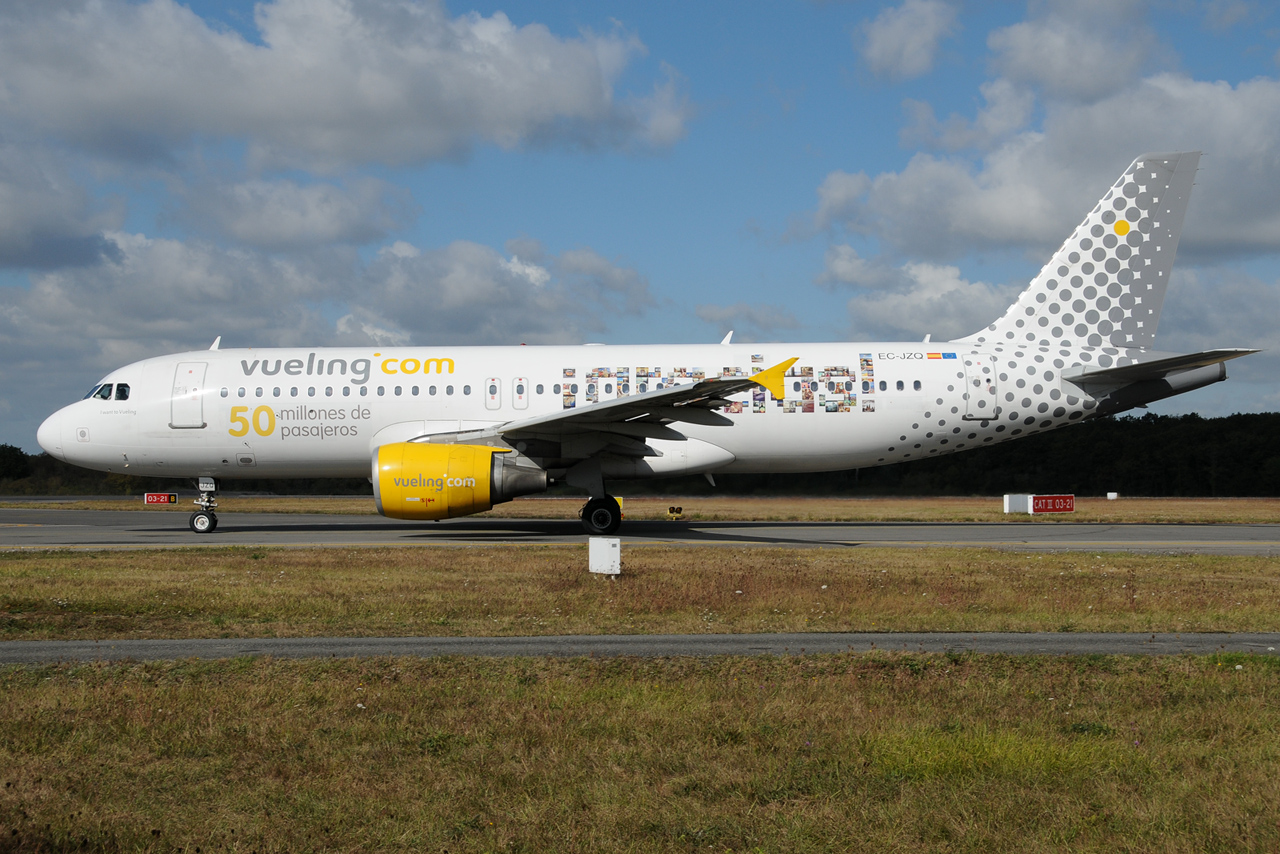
[186, 407]
[981, 388]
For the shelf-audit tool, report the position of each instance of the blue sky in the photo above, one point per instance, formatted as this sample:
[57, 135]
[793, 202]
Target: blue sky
[379, 171]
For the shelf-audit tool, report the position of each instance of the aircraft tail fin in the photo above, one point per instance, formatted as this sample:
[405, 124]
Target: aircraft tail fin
[1105, 286]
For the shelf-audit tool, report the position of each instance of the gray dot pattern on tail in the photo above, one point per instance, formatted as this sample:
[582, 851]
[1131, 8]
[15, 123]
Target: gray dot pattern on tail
[1105, 286]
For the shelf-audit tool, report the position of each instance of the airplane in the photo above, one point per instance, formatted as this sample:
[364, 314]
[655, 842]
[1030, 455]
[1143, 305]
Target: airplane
[450, 431]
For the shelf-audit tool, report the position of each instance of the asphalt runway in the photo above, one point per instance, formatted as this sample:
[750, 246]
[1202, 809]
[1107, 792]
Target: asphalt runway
[115, 529]
[604, 646]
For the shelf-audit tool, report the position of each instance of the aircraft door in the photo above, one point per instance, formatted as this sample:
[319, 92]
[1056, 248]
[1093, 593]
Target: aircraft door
[186, 407]
[520, 392]
[492, 393]
[982, 399]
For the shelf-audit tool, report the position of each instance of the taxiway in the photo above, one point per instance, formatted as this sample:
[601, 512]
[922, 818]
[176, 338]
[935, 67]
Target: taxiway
[116, 529]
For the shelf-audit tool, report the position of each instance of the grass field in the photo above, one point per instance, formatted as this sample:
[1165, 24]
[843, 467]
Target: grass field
[818, 753]
[702, 508]
[872, 752]
[520, 590]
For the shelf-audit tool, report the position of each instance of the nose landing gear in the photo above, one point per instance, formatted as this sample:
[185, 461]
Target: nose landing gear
[204, 520]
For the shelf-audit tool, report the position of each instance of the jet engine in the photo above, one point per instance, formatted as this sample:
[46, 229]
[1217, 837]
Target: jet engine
[414, 480]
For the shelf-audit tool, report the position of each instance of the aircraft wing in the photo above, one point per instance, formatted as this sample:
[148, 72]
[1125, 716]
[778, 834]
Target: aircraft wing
[647, 415]
[1155, 369]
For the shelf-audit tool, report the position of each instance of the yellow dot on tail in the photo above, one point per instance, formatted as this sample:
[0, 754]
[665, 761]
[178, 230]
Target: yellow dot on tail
[1122, 228]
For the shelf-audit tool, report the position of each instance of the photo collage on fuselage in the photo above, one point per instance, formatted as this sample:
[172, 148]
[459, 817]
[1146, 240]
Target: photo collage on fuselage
[834, 388]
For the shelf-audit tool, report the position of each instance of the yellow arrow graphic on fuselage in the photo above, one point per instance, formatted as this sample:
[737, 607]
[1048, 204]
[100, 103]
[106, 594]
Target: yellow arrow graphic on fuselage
[774, 379]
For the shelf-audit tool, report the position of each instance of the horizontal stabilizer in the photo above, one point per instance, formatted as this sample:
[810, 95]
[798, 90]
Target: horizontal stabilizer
[1155, 369]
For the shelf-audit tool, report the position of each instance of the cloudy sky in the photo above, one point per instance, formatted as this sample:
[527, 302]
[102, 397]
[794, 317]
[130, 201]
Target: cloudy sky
[403, 171]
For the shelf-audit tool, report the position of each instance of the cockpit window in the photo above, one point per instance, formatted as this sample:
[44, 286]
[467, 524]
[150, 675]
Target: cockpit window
[88, 394]
[104, 392]
[122, 391]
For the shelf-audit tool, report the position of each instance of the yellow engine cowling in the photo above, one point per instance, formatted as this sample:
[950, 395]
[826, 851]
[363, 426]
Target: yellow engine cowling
[413, 480]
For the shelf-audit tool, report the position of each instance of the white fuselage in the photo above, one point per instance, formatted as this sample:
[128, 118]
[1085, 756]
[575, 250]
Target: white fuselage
[278, 413]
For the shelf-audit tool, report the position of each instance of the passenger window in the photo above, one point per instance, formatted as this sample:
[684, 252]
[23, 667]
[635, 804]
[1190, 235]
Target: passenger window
[866, 386]
[398, 389]
[608, 388]
[519, 389]
[311, 392]
[104, 393]
[239, 393]
[431, 390]
[225, 392]
[574, 388]
[900, 385]
[795, 386]
[555, 389]
[848, 386]
[448, 389]
[466, 389]
[414, 390]
[884, 386]
[328, 391]
[493, 389]
[275, 392]
[122, 391]
[293, 392]
[643, 387]
[539, 389]
[917, 385]
[346, 391]
[381, 391]
[364, 391]
[257, 392]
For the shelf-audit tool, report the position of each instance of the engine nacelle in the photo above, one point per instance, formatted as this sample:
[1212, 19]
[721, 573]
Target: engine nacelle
[413, 480]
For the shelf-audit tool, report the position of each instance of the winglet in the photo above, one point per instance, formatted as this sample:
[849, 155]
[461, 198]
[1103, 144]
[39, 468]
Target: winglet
[773, 378]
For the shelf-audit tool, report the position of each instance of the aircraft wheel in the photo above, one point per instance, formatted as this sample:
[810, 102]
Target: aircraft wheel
[602, 515]
[203, 522]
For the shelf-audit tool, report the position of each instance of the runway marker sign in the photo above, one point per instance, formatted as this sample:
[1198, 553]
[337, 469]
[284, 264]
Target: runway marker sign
[161, 498]
[1053, 504]
[1035, 504]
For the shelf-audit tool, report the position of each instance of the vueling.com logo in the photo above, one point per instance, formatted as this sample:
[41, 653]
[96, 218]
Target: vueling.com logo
[412, 366]
[437, 483]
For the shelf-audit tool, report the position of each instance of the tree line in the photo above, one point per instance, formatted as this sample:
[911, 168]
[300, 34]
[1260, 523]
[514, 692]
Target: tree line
[1149, 455]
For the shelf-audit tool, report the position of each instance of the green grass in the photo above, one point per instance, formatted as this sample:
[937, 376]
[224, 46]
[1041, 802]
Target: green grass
[248, 592]
[818, 753]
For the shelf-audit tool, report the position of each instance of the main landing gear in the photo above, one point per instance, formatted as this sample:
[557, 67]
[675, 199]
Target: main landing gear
[601, 515]
[204, 520]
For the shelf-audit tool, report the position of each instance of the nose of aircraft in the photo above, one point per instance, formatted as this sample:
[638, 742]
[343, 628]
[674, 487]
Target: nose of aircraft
[50, 436]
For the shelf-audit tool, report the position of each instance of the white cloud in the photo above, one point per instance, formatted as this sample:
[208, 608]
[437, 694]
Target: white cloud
[1030, 190]
[164, 296]
[283, 214]
[902, 42]
[532, 273]
[333, 83]
[1224, 14]
[914, 299]
[46, 219]
[747, 321]
[1008, 108]
[1076, 49]
[839, 197]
